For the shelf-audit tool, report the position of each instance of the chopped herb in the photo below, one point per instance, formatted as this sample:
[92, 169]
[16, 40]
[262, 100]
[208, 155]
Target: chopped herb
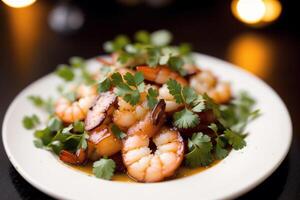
[30, 122]
[77, 62]
[54, 124]
[142, 37]
[104, 168]
[104, 85]
[64, 72]
[152, 97]
[117, 132]
[78, 127]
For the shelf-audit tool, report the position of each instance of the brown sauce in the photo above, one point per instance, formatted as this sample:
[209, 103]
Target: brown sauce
[181, 172]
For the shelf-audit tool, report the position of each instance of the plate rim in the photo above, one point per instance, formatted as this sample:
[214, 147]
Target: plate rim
[227, 64]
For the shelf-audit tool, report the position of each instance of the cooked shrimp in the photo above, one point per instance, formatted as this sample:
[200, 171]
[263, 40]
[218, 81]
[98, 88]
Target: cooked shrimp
[101, 110]
[145, 166]
[160, 74]
[126, 115]
[102, 142]
[70, 112]
[78, 158]
[206, 82]
[171, 104]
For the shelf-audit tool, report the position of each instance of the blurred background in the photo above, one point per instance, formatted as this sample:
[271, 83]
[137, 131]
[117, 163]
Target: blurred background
[261, 36]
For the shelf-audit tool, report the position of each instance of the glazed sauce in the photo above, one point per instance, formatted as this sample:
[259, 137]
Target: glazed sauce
[181, 172]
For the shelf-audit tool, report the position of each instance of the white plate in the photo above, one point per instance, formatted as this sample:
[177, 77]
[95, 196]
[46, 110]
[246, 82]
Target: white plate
[267, 145]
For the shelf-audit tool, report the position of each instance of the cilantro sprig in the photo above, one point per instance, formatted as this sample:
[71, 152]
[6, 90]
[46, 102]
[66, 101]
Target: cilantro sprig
[128, 86]
[186, 118]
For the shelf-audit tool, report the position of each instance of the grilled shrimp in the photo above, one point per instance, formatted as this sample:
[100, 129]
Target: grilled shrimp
[171, 104]
[160, 74]
[102, 142]
[206, 82]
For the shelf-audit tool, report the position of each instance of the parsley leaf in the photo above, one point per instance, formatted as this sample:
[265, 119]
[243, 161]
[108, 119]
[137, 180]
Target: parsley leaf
[117, 132]
[185, 119]
[30, 122]
[78, 127]
[64, 72]
[152, 97]
[153, 57]
[236, 140]
[104, 168]
[77, 62]
[200, 147]
[175, 90]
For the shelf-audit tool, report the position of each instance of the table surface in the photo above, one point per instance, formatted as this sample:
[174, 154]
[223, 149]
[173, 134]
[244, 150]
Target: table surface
[29, 49]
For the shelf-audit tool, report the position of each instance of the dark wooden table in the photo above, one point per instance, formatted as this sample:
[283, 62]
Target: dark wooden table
[29, 49]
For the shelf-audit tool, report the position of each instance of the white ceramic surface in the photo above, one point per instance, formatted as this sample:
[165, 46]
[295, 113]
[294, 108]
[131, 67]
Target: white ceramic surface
[267, 145]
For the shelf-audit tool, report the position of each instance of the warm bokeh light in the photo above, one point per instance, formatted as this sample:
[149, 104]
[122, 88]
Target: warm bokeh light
[256, 12]
[252, 52]
[18, 3]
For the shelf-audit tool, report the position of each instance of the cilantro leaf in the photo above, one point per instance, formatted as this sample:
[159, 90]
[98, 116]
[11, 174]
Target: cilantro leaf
[142, 37]
[238, 113]
[185, 119]
[175, 90]
[200, 147]
[213, 127]
[184, 48]
[220, 151]
[54, 124]
[82, 142]
[104, 168]
[64, 72]
[176, 64]
[236, 140]
[77, 62]
[104, 85]
[117, 132]
[153, 57]
[152, 97]
[198, 105]
[30, 122]
[78, 127]
[189, 95]
[38, 143]
[36, 100]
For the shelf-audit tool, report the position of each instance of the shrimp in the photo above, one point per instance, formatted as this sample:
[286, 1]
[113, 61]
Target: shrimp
[102, 142]
[78, 158]
[160, 74]
[69, 111]
[141, 163]
[126, 115]
[145, 166]
[206, 82]
[171, 104]
[102, 109]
